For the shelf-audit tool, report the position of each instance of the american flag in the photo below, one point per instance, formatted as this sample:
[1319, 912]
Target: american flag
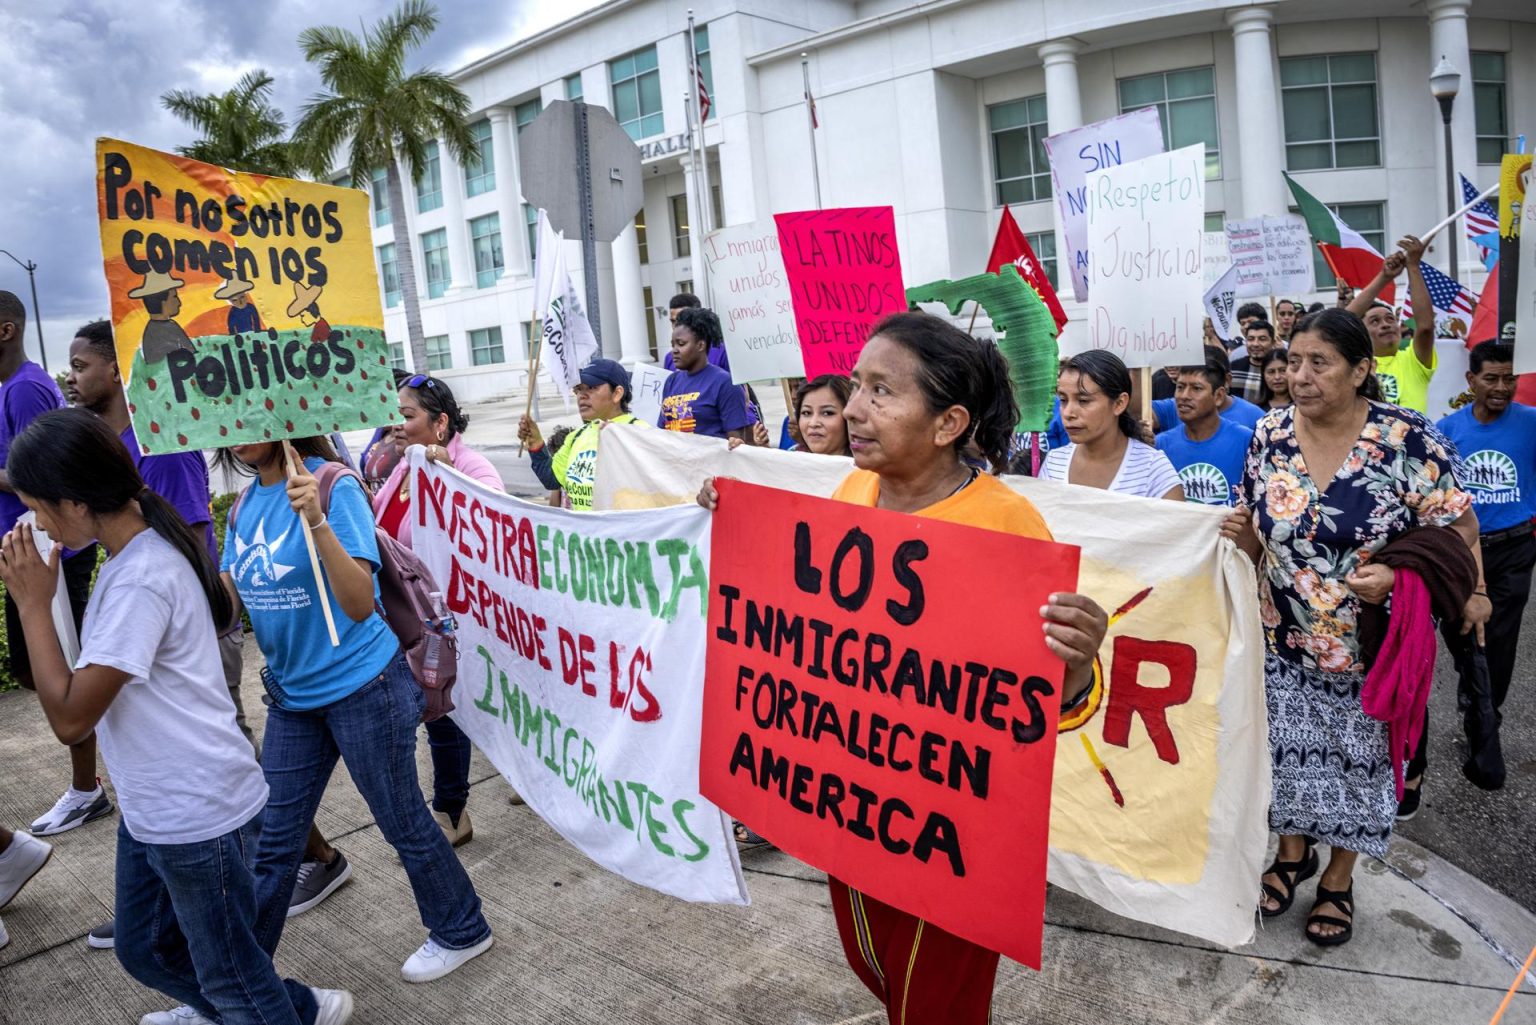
[1450, 297]
[1482, 222]
[704, 101]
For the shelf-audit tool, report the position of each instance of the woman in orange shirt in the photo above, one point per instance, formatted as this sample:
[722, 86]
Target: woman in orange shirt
[922, 389]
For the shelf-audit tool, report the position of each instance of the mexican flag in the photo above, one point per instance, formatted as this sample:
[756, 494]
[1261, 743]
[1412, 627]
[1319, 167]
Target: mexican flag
[1352, 259]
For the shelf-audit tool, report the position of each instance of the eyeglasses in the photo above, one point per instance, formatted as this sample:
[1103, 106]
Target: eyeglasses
[417, 380]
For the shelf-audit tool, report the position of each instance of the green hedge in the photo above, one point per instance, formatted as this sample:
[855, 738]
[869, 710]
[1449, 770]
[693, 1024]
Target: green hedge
[221, 506]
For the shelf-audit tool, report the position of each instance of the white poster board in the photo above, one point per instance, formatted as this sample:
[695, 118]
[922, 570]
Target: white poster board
[1082, 151]
[1214, 257]
[648, 379]
[1146, 225]
[1273, 256]
[1245, 244]
[1525, 296]
[751, 290]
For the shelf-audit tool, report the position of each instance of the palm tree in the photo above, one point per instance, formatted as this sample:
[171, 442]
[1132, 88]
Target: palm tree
[241, 129]
[377, 114]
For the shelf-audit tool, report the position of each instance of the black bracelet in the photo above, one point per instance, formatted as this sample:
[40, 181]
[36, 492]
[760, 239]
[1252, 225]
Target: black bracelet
[1079, 701]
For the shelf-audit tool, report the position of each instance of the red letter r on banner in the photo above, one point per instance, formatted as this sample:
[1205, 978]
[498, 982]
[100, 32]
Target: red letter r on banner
[1127, 696]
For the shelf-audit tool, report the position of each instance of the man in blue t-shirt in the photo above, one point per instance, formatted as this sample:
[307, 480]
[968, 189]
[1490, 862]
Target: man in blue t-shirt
[699, 398]
[1497, 441]
[27, 392]
[1207, 450]
[1165, 412]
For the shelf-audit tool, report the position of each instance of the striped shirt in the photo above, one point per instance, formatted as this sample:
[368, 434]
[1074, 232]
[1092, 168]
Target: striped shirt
[1144, 471]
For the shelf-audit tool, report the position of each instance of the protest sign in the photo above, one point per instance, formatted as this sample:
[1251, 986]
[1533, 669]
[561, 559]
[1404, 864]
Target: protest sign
[751, 290]
[581, 648]
[911, 756]
[1078, 153]
[844, 274]
[1221, 304]
[1214, 258]
[1525, 301]
[1146, 220]
[648, 380]
[245, 308]
[1160, 796]
[1273, 255]
[1514, 180]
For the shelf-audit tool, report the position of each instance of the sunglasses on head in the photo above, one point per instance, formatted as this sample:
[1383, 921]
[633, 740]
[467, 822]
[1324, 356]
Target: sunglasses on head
[417, 380]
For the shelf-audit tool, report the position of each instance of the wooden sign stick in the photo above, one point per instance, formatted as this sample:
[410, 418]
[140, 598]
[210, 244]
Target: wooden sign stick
[314, 556]
[533, 383]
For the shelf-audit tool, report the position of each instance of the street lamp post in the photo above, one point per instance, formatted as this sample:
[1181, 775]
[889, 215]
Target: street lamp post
[1444, 83]
[31, 269]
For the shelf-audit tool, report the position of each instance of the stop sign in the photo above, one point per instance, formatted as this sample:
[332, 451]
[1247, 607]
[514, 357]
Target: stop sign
[550, 150]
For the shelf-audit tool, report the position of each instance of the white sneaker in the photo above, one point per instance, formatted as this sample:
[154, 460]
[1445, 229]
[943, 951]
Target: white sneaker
[19, 862]
[182, 1015]
[433, 962]
[335, 1006]
[75, 808]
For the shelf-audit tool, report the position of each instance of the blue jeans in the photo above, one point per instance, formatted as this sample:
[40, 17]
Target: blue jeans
[186, 926]
[373, 730]
[450, 765]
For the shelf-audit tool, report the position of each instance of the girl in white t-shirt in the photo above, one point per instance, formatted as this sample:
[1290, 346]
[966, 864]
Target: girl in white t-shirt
[1106, 450]
[149, 682]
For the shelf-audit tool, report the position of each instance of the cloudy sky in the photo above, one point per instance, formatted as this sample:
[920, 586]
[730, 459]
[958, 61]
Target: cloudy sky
[72, 72]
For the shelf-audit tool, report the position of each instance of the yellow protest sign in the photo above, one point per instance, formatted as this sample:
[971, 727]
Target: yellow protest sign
[245, 308]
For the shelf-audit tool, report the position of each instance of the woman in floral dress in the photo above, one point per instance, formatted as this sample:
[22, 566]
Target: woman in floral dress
[1329, 482]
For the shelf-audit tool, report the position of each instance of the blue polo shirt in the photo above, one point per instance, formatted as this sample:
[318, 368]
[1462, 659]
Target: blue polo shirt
[1498, 461]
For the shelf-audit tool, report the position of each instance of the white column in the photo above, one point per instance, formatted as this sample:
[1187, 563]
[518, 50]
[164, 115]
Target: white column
[461, 270]
[629, 300]
[516, 260]
[1063, 112]
[1259, 126]
[1448, 39]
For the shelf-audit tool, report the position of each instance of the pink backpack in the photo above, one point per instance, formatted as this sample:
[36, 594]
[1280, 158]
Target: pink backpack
[405, 601]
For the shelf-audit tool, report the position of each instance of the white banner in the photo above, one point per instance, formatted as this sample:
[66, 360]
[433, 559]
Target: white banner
[569, 343]
[751, 290]
[1273, 255]
[1160, 807]
[1078, 153]
[1146, 223]
[581, 671]
[1221, 304]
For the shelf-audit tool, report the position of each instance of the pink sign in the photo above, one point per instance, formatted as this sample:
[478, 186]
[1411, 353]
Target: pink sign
[844, 274]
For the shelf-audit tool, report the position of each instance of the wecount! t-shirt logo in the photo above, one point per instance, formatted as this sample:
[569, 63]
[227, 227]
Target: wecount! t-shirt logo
[1492, 478]
[258, 568]
[1206, 484]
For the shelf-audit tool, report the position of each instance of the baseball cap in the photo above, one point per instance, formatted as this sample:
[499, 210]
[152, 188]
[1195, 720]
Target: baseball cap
[605, 371]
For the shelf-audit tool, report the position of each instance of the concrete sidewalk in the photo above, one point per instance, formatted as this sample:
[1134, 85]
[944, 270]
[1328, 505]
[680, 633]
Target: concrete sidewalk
[578, 945]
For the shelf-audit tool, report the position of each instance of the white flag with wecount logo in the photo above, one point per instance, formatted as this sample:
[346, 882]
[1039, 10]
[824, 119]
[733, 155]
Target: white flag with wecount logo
[569, 343]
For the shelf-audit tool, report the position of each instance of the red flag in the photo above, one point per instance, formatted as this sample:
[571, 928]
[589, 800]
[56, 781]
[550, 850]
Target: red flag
[704, 101]
[1485, 319]
[1011, 246]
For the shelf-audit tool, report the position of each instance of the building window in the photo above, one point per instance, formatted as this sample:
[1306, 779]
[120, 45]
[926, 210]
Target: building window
[649, 299]
[397, 355]
[389, 274]
[717, 205]
[1216, 221]
[429, 187]
[1369, 219]
[531, 219]
[524, 114]
[706, 71]
[379, 188]
[1186, 104]
[637, 93]
[645, 249]
[1044, 245]
[1488, 77]
[573, 87]
[485, 239]
[1330, 111]
[485, 346]
[680, 240]
[439, 353]
[1020, 173]
[480, 172]
[685, 287]
[434, 253]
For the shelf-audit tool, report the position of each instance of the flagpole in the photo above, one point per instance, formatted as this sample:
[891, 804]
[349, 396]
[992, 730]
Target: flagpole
[706, 206]
[810, 119]
[696, 215]
[1432, 232]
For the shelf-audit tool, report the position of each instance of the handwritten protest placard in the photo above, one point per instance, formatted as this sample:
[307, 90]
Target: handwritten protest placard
[1273, 255]
[245, 308]
[648, 380]
[1214, 258]
[844, 274]
[751, 290]
[1145, 226]
[864, 714]
[1080, 152]
[581, 638]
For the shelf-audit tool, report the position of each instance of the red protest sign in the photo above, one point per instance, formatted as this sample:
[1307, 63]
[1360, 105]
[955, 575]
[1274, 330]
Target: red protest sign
[880, 703]
[844, 274]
